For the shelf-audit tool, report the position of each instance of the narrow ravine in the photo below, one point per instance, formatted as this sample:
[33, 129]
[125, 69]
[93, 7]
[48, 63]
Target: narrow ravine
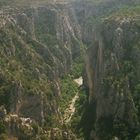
[69, 112]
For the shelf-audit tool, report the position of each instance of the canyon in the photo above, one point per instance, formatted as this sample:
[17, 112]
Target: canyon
[69, 70]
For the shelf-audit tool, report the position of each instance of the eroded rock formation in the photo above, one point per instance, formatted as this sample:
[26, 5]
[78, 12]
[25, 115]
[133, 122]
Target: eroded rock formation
[112, 73]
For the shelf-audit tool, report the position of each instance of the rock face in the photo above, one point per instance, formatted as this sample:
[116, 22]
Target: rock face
[112, 74]
[37, 47]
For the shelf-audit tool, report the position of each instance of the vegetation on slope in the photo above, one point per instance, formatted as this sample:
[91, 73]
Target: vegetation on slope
[126, 11]
[22, 3]
[33, 62]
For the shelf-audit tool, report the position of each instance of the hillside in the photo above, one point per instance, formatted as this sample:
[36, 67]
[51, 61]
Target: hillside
[36, 50]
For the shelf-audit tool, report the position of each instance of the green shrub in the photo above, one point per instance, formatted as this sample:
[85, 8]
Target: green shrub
[68, 90]
[2, 127]
[137, 137]
[3, 137]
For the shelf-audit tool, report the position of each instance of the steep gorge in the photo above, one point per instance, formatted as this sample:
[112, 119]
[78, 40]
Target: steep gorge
[42, 50]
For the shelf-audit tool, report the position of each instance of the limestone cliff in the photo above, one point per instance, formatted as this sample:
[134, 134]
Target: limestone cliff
[112, 75]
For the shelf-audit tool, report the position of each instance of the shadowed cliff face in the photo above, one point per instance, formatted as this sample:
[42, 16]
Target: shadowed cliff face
[37, 46]
[112, 75]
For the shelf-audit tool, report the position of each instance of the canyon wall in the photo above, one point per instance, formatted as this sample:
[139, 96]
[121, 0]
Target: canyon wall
[38, 45]
[112, 77]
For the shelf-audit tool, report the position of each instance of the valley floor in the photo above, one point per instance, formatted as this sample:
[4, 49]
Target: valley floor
[71, 108]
